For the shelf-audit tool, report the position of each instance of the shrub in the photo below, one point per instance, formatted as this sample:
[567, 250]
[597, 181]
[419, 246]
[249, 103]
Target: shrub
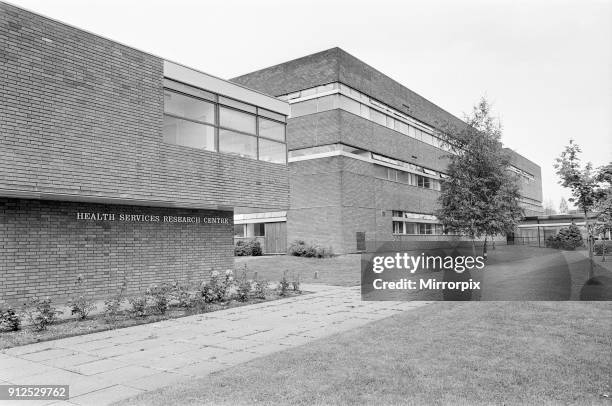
[160, 297]
[181, 294]
[247, 248]
[261, 289]
[300, 248]
[244, 286]
[9, 319]
[283, 285]
[41, 313]
[598, 249]
[139, 305]
[568, 238]
[112, 306]
[296, 284]
[81, 305]
[218, 287]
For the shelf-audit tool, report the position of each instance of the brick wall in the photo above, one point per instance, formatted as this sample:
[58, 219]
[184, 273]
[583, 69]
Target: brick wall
[44, 247]
[81, 117]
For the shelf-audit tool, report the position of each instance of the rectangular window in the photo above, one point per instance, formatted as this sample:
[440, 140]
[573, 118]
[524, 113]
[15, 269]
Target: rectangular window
[411, 228]
[237, 120]
[238, 144]
[413, 132]
[271, 114]
[188, 107]
[259, 229]
[390, 122]
[328, 103]
[401, 127]
[378, 117]
[239, 230]
[188, 133]
[271, 129]
[304, 108]
[271, 151]
[238, 105]
[350, 105]
[398, 227]
[365, 111]
[392, 174]
[308, 92]
[397, 213]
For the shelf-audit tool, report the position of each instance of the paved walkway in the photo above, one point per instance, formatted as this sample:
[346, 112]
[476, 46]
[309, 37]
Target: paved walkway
[105, 367]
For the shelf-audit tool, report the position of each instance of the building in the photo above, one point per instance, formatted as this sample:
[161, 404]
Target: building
[118, 165]
[364, 160]
[535, 230]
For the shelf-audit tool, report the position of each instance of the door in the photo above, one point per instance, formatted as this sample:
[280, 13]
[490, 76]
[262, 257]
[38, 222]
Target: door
[276, 238]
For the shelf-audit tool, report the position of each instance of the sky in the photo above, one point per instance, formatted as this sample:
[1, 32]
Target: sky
[546, 66]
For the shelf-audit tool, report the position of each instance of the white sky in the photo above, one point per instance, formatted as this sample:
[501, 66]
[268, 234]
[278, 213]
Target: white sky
[545, 65]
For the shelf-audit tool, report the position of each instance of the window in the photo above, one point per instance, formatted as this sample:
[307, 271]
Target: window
[411, 228]
[328, 103]
[303, 108]
[271, 114]
[423, 182]
[239, 144]
[272, 151]
[425, 228]
[398, 227]
[392, 174]
[378, 117]
[271, 129]
[237, 120]
[238, 105]
[259, 229]
[401, 127]
[350, 105]
[390, 122]
[188, 133]
[188, 107]
[365, 111]
[239, 230]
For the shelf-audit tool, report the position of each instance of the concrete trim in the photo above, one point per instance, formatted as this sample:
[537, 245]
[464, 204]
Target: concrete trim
[184, 74]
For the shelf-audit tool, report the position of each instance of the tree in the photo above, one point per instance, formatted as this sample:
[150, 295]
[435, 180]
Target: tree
[585, 186]
[604, 206]
[563, 208]
[480, 195]
[549, 207]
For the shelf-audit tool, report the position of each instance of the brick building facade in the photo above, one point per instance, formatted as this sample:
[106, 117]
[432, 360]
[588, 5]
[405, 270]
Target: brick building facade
[363, 156]
[88, 125]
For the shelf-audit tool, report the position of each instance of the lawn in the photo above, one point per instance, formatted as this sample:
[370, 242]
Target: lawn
[343, 270]
[510, 353]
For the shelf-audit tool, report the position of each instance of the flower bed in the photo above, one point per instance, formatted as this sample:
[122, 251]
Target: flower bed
[37, 321]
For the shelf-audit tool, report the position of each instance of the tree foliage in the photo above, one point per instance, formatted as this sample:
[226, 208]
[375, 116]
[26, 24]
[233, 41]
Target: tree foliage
[480, 196]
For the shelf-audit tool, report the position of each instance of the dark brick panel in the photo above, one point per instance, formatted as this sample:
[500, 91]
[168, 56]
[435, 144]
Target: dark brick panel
[43, 247]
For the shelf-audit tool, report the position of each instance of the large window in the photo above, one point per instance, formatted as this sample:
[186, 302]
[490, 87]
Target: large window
[272, 151]
[199, 119]
[271, 129]
[235, 143]
[179, 105]
[237, 120]
[189, 133]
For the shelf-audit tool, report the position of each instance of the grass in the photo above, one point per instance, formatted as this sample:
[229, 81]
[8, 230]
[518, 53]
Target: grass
[510, 353]
[344, 270]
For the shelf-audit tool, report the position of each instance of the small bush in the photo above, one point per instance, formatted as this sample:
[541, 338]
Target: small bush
[598, 249]
[261, 289]
[9, 319]
[247, 248]
[218, 288]
[283, 285]
[81, 305]
[244, 286]
[295, 284]
[300, 248]
[139, 305]
[112, 306]
[41, 313]
[182, 295]
[160, 297]
[568, 238]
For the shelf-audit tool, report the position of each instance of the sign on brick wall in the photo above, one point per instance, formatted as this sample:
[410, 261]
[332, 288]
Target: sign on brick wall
[149, 218]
